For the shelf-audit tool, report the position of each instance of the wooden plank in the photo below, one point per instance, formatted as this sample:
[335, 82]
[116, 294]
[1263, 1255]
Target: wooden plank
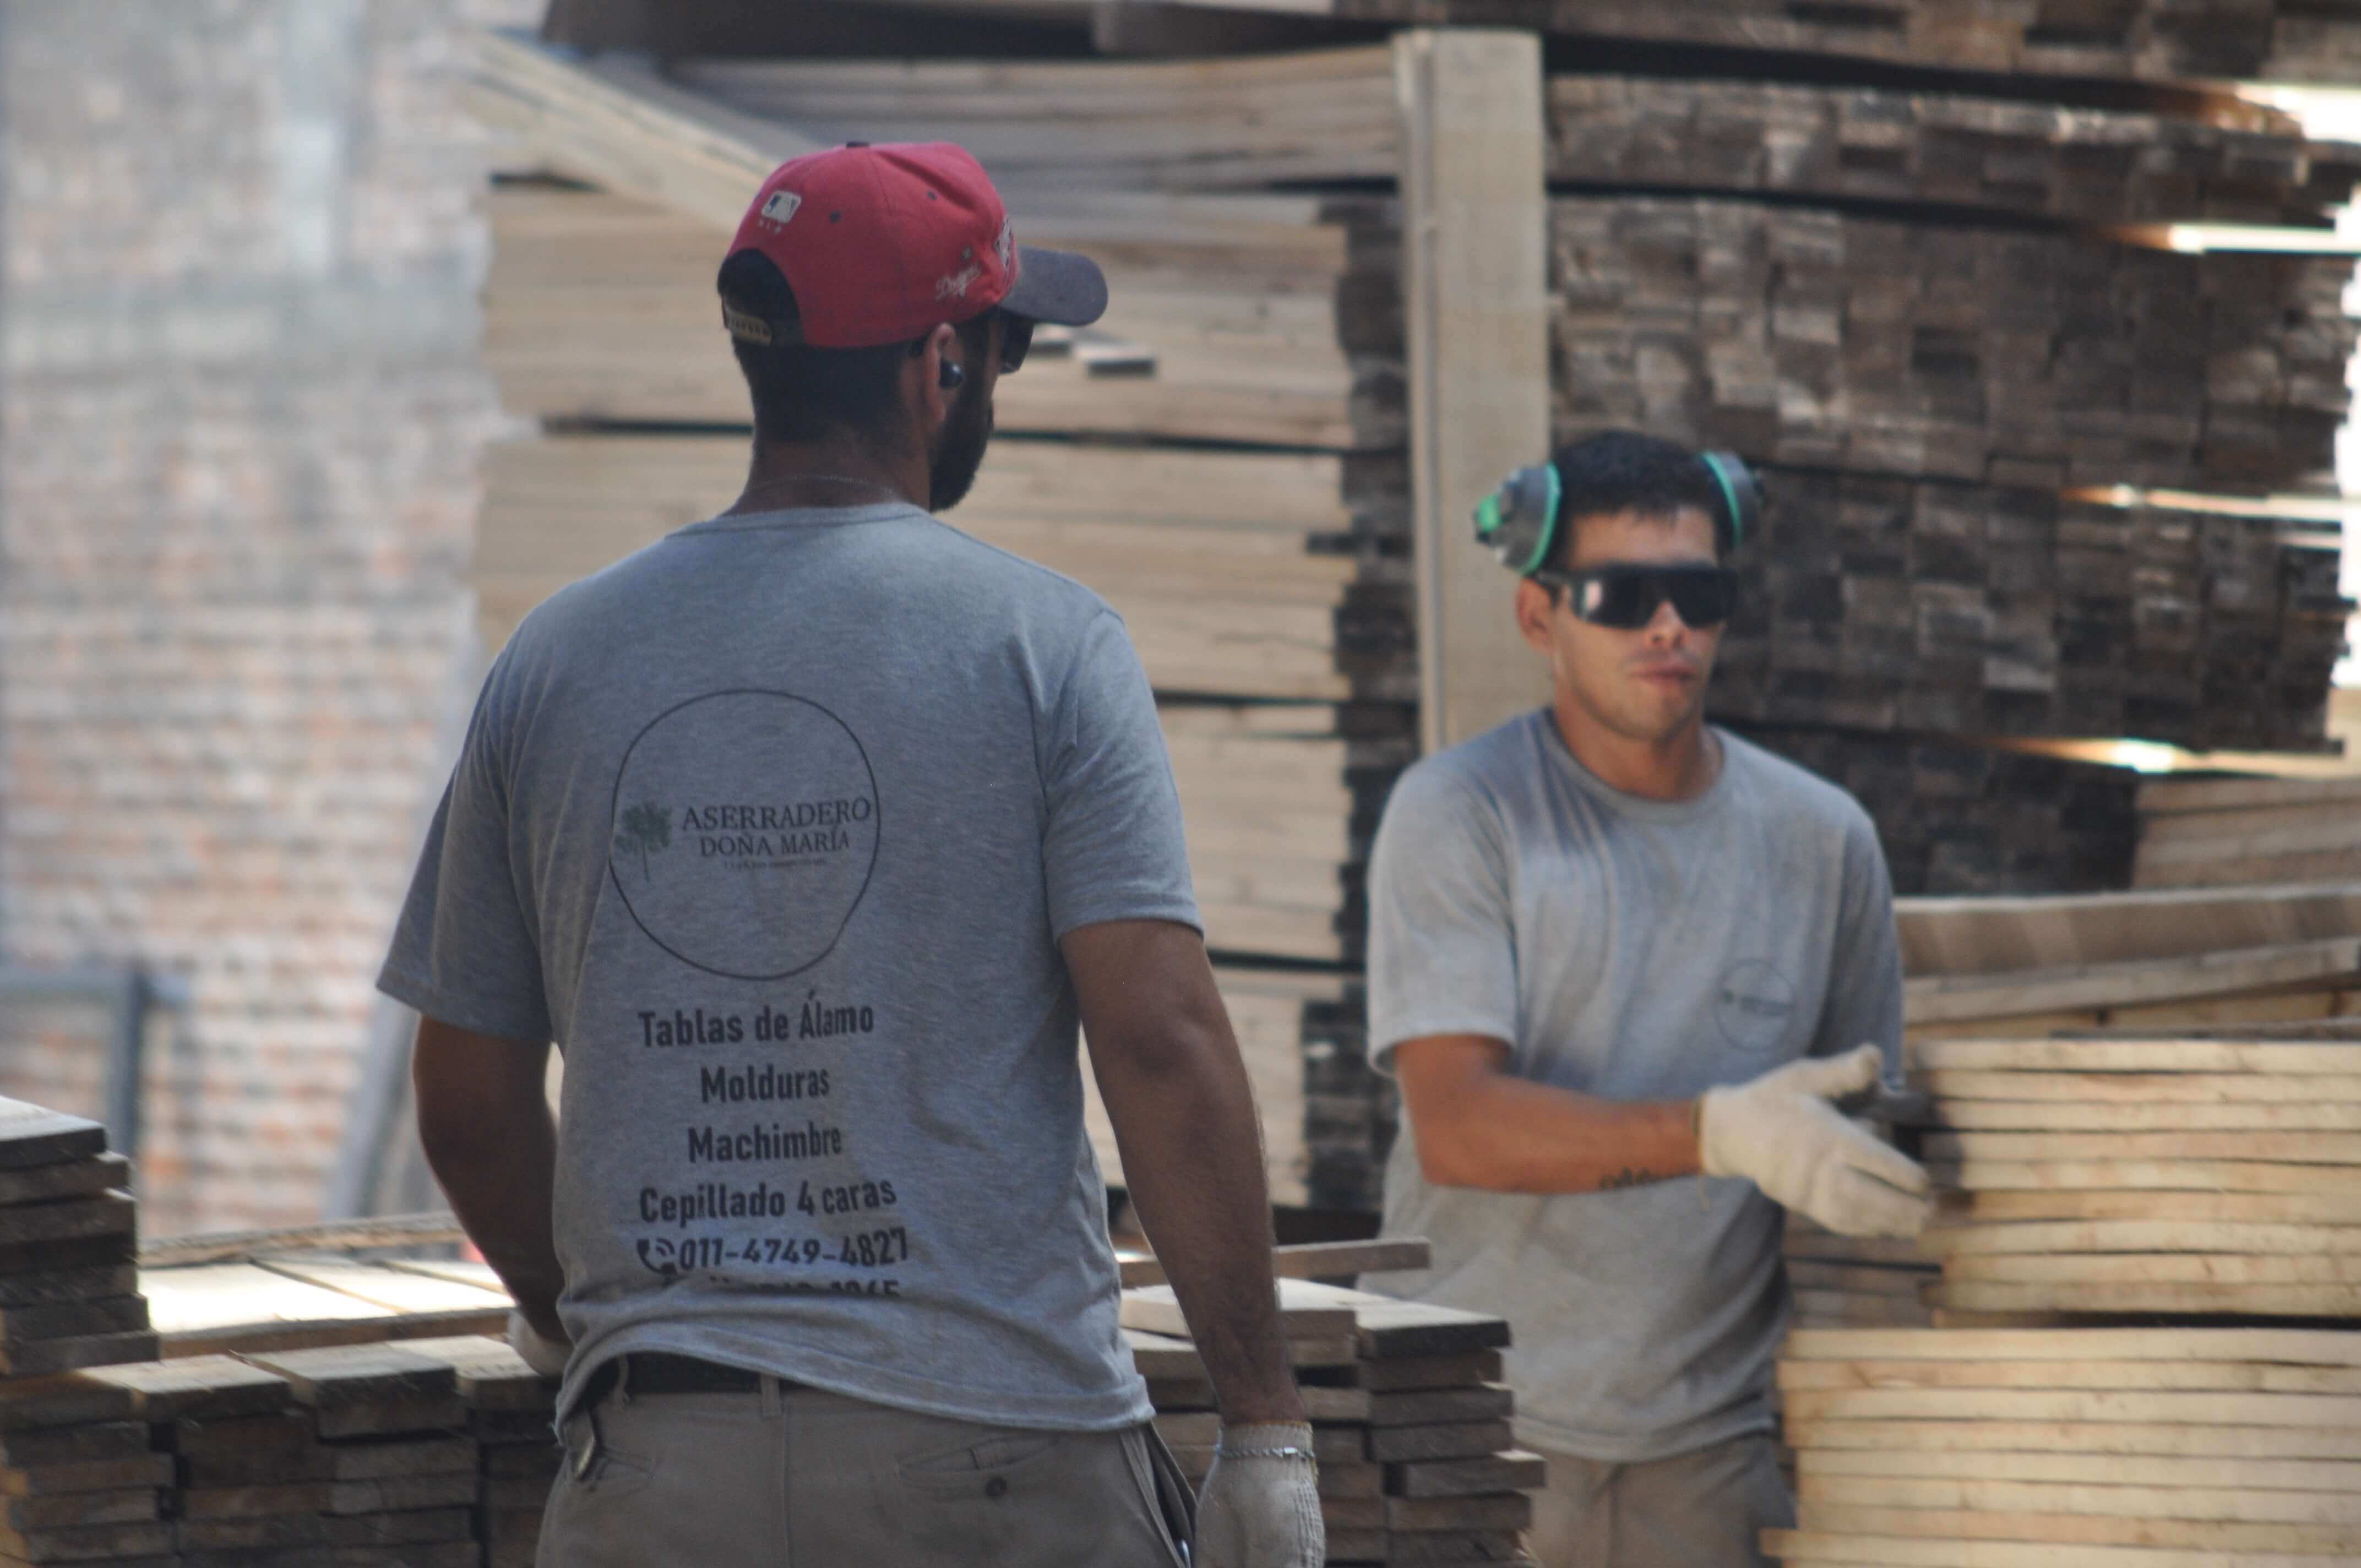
[2229, 1377]
[616, 123]
[2143, 1089]
[2294, 1348]
[2007, 1117]
[35, 1135]
[1986, 935]
[1938, 999]
[214, 1296]
[2283, 1148]
[2171, 1176]
[1475, 278]
[2327, 1058]
[2196, 1208]
[396, 1290]
[2176, 1298]
[1155, 1309]
[1317, 1260]
[2169, 1439]
[1803, 1547]
[2097, 1469]
[1854, 1517]
[2147, 1235]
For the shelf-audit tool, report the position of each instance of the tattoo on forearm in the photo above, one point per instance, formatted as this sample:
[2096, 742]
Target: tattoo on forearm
[1628, 1177]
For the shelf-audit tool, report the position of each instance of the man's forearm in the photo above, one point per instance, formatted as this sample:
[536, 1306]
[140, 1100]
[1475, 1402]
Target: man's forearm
[1193, 1158]
[1477, 1126]
[496, 1165]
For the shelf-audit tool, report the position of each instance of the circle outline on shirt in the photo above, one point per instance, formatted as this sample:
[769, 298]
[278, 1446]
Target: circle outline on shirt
[1730, 994]
[876, 844]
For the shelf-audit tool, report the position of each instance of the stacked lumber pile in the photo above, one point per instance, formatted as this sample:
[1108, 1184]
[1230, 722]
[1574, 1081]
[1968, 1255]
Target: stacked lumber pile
[2156, 1175]
[1410, 1422]
[69, 1292]
[1855, 1281]
[1826, 340]
[510, 1409]
[2205, 833]
[2137, 40]
[1957, 818]
[1944, 609]
[1992, 155]
[1993, 1449]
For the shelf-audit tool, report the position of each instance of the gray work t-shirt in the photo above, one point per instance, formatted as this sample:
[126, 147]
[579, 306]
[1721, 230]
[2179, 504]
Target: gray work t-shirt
[1633, 949]
[775, 827]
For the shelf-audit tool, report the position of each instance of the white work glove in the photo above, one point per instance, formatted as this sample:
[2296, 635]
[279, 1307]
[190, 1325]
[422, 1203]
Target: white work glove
[1260, 1507]
[546, 1355]
[1780, 1132]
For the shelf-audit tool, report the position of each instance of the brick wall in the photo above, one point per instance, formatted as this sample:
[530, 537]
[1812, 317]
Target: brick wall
[242, 403]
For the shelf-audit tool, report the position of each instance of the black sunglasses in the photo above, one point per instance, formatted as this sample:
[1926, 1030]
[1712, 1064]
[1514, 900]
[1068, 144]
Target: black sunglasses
[1015, 342]
[1625, 597]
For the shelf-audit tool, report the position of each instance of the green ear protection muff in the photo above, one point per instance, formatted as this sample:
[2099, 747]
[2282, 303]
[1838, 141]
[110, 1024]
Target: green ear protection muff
[1517, 522]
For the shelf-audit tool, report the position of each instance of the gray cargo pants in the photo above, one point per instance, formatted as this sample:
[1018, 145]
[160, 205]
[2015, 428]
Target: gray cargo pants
[792, 1477]
[1705, 1510]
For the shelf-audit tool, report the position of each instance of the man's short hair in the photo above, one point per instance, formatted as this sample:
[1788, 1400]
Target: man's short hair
[802, 393]
[1622, 470]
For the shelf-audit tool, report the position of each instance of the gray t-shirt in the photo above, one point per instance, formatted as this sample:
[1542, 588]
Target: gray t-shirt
[775, 827]
[1633, 950]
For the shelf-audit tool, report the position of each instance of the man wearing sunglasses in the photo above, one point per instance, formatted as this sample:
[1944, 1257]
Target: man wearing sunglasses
[1622, 962]
[811, 832]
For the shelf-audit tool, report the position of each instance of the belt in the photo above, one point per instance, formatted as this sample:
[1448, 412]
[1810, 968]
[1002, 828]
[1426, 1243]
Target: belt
[661, 1372]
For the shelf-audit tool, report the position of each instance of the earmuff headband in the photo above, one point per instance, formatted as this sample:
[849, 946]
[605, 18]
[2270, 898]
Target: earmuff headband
[1517, 522]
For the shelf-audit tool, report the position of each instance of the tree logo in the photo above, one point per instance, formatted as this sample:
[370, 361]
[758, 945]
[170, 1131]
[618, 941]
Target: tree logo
[647, 829]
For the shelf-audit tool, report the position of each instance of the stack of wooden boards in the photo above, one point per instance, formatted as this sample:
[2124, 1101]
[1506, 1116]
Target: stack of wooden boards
[2146, 1176]
[2141, 40]
[1856, 1281]
[1876, 144]
[1884, 605]
[2192, 1447]
[1410, 1422]
[359, 1455]
[2234, 832]
[69, 1292]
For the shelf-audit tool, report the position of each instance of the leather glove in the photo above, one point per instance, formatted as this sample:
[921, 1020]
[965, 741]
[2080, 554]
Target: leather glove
[1260, 1508]
[1780, 1133]
[546, 1355]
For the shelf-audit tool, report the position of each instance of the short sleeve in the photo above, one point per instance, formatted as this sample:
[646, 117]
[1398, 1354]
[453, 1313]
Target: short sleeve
[464, 952]
[1864, 1000]
[1442, 952]
[1113, 848]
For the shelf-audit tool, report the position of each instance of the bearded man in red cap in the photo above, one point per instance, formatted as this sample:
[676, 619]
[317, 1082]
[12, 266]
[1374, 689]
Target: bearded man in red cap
[810, 834]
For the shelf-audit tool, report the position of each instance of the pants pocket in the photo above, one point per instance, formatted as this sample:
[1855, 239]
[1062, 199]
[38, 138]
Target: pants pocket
[1168, 1496]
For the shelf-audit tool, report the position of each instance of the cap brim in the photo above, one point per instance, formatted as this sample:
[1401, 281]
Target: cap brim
[1056, 286]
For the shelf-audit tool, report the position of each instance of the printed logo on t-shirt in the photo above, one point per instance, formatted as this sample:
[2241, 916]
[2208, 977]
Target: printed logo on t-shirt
[1752, 1004]
[745, 832]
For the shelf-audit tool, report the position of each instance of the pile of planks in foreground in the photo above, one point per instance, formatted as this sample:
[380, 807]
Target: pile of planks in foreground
[69, 1289]
[2233, 832]
[426, 1454]
[2184, 1447]
[1411, 1424]
[2147, 1176]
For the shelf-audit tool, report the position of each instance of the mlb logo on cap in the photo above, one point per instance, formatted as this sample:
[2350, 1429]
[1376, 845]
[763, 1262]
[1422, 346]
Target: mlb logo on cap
[884, 244]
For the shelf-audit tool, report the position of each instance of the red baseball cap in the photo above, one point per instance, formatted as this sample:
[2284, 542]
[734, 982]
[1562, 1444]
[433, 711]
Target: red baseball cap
[884, 244]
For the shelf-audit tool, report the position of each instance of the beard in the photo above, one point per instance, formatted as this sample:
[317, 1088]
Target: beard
[959, 450]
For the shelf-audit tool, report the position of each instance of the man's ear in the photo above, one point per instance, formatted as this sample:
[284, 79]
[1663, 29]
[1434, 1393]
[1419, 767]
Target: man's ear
[937, 349]
[1535, 605]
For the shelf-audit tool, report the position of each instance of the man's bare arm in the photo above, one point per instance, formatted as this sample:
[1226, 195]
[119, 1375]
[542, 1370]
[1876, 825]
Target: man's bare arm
[1168, 1068]
[1477, 1124]
[483, 1118]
